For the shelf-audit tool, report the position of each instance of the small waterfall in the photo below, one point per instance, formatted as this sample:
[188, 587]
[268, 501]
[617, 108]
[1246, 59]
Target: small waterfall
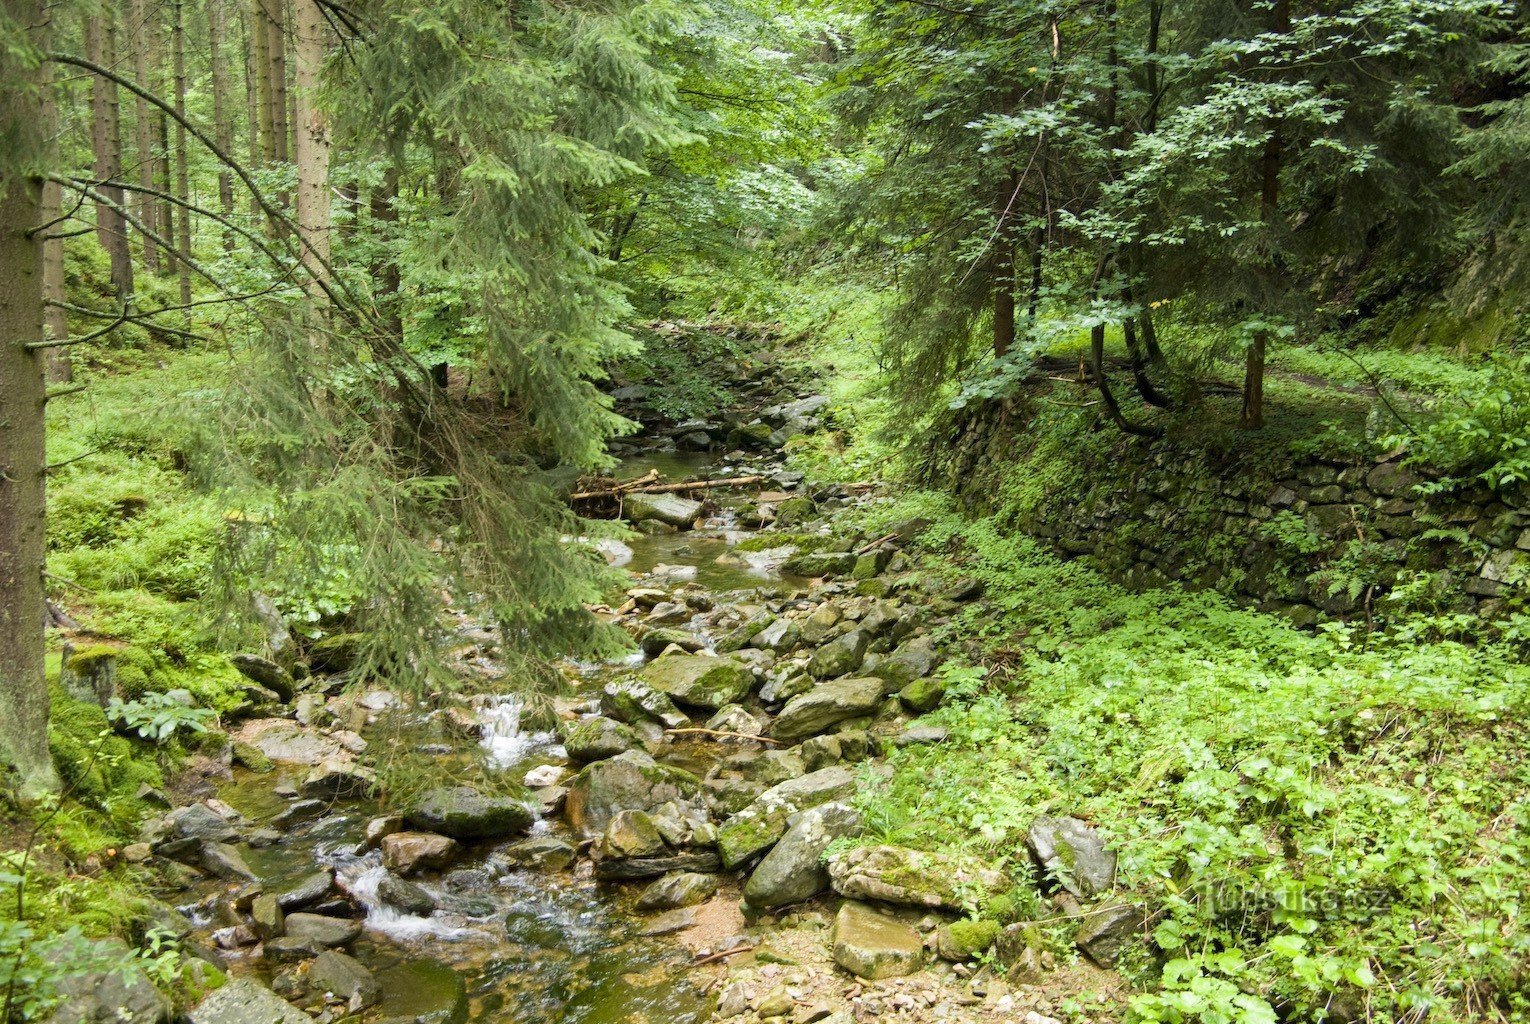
[504, 744]
[360, 876]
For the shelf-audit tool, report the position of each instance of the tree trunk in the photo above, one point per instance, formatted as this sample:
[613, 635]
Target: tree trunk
[313, 213]
[254, 61]
[1252, 417]
[182, 170]
[23, 680]
[147, 205]
[223, 124]
[1004, 272]
[59, 366]
[385, 271]
[166, 185]
[106, 140]
[276, 54]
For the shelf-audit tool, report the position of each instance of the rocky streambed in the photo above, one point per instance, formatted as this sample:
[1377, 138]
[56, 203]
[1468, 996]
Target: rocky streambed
[663, 844]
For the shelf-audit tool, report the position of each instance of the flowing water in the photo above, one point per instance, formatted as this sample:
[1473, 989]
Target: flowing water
[523, 946]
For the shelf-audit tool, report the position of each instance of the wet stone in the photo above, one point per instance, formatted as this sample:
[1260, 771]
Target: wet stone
[311, 889]
[410, 852]
[543, 853]
[680, 889]
[462, 812]
[344, 977]
[226, 862]
[597, 738]
[243, 1001]
[405, 895]
[325, 931]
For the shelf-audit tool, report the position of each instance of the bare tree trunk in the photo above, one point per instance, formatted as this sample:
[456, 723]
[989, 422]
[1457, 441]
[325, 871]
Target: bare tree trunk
[385, 272]
[166, 184]
[59, 366]
[276, 54]
[111, 226]
[254, 61]
[313, 208]
[223, 124]
[1004, 271]
[23, 680]
[182, 171]
[146, 203]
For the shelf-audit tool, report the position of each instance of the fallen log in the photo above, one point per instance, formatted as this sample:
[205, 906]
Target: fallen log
[693, 485]
[723, 734]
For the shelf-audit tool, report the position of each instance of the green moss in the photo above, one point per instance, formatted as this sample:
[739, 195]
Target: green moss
[85, 659]
[970, 938]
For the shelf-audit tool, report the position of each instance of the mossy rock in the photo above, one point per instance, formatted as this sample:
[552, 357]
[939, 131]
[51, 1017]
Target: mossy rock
[959, 941]
[923, 695]
[699, 680]
[339, 653]
[250, 756]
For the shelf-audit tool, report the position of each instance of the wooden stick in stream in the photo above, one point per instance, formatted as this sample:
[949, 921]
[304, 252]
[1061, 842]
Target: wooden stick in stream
[694, 485]
[722, 733]
[876, 543]
[735, 951]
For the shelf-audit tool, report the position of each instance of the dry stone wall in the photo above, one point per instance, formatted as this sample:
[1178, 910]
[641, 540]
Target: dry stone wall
[1314, 537]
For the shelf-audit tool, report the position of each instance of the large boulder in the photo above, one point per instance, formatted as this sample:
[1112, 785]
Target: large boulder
[819, 563]
[631, 834]
[243, 1001]
[672, 509]
[411, 852]
[264, 672]
[597, 738]
[632, 700]
[113, 990]
[462, 812]
[1106, 933]
[914, 878]
[198, 821]
[680, 889]
[827, 704]
[323, 930]
[839, 656]
[1073, 855]
[903, 666]
[698, 680]
[793, 870]
[759, 826]
[287, 742]
[629, 781]
[874, 946]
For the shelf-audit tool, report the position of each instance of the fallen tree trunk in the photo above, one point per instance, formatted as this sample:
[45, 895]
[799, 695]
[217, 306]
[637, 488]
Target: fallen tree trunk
[694, 485]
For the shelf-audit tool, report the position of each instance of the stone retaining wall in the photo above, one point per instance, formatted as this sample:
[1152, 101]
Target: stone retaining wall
[1312, 537]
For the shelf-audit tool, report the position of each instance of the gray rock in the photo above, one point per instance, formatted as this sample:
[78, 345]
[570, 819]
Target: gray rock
[1073, 855]
[757, 827]
[740, 637]
[405, 895]
[226, 862]
[337, 777]
[289, 743]
[681, 889]
[597, 738]
[735, 718]
[632, 700]
[903, 666]
[702, 861]
[462, 812]
[782, 636]
[819, 563]
[345, 978]
[840, 656]
[630, 781]
[542, 853]
[825, 705]
[874, 946]
[307, 891]
[290, 949]
[670, 509]
[112, 989]
[1107, 932]
[631, 834]
[699, 680]
[656, 641]
[267, 916]
[264, 672]
[325, 931]
[243, 1001]
[198, 821]
[793, 870]
[914, 878]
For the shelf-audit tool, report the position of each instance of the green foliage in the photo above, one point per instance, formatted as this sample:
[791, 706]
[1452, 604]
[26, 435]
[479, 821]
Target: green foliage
[1479, 433]
[1304, 815]
[157, 716]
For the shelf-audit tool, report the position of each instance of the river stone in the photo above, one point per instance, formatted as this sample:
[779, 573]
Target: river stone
[703, 861]
[632, 700]
[699, 680]
[288, 742]
[266, 916]
[793, 870]
[379, 827]
[737, 719]
[819, 563]
[839, 656]
[914, 878]
[326, 931]
[462, 812]
[757, 827]
[405, 895]
[542, 853]
[817, 625]
[114, 991]
[243, 1001]
[597, 738]
[1107, 932]
[226, 862]
[782, 636]
[825, 705]
[874, 946]
[290, 949]
[248, 755]
[631, 834]
[630, 781]
[308, 890]
[670, 509]
[344, 977]
[786, 684]
[336, 777]
[741, 637]
[903, 666]
[198, 821]
[1073, 855]
[264, 672]
[656, 641]
[410, 852]
[681, 889]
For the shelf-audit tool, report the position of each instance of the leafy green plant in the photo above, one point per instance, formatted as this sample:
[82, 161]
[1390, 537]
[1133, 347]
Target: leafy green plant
[158, 716]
